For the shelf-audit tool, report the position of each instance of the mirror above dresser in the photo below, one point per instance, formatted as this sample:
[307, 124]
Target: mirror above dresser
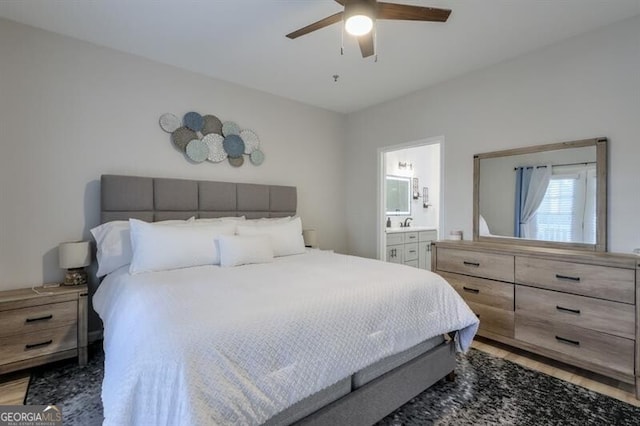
[551, 195]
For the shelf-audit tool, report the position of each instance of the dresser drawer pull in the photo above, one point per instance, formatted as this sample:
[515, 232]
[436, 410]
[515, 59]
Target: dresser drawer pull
[568, 341]
[37, 345]
[412, 251]
[471, 290]
[573, 311]
[44, 318]
[476, 264]
[568, 278]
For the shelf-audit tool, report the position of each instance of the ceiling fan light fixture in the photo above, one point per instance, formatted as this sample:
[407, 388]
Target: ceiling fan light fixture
[358, 25]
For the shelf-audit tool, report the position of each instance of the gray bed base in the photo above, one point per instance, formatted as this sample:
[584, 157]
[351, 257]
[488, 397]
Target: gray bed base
[362, 399]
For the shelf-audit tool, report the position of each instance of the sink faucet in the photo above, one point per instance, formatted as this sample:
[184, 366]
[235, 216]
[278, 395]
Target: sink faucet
[406, 224]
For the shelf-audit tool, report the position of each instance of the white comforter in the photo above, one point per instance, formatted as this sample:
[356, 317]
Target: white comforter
[212, 345]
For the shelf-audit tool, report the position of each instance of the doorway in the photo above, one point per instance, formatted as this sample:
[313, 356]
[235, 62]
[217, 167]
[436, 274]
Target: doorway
[410, 190]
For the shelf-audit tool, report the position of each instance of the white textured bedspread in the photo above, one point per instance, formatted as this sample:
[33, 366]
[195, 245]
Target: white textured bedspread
[211, 345]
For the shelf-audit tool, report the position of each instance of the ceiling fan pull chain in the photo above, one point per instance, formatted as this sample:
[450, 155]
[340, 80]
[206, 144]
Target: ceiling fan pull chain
[342, 39]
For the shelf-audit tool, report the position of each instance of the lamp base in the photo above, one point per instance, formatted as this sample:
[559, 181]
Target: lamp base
[76, 276]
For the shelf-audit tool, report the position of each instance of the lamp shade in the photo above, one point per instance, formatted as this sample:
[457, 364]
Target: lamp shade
[310, 238]
[74, 254]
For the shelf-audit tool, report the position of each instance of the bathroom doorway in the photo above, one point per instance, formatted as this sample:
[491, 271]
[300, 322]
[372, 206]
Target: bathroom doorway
[410, 194]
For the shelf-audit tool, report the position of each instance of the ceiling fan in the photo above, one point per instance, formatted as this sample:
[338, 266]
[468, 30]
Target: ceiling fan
[359, 17]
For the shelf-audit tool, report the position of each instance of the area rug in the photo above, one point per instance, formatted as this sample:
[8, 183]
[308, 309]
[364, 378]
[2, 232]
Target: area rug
[487, 391]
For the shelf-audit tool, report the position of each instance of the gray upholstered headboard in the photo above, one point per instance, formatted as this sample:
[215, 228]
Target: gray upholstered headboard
[155, 199]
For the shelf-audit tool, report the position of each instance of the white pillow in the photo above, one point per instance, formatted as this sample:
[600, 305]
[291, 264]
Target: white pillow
[484, 228]
[268, 221]
[242, 250]
[159, 248]
[113, 244]
[286, 237]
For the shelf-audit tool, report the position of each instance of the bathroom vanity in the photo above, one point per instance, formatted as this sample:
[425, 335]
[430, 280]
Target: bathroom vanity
[410, 245]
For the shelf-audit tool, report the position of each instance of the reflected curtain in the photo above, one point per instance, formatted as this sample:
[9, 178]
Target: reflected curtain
[531, 186]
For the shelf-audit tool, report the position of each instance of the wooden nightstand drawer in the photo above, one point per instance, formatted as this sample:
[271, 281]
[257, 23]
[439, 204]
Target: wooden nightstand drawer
[36, 318]
[586, 345]
[605, 316]
[478, 290]
[603, 282]
[486, 265]
[25, 346]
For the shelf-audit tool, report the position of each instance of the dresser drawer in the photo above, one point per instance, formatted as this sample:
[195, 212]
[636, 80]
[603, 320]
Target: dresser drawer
[583, 344]
[395, 238]
[410, 237]
[588, 280]
[427, 236]
[493, 320]
[410, 252]
[485, 265]
[24, 346]
[600, 315]
[35, 318]
[478, 290]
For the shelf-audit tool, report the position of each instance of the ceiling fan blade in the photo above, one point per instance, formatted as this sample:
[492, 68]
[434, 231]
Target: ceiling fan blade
[316, 25]
[366, 44]
[406, 12]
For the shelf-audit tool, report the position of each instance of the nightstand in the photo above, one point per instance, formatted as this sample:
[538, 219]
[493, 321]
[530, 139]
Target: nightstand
[41, 328]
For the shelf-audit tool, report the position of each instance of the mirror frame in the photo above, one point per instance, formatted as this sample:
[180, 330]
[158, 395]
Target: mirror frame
[601, 195]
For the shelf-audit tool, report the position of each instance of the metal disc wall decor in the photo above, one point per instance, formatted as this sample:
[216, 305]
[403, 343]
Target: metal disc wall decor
[193, 121]
[230, 128]
[182, 136]
[236, 161]
[234, 145]
[251, 141]
[205, 137]
[216, 150]
[212, 124]
[257, 157]
[169, 122]
[197, 150]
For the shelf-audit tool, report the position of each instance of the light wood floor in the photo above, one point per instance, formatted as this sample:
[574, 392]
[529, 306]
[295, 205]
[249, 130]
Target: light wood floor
[13, 387]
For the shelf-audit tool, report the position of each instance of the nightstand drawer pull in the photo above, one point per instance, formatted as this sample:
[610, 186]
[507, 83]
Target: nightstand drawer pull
[476, 264]
[44, 318]
[568, 278]
[568, 341]
[37, 345]
[471, 290]
[573, 311]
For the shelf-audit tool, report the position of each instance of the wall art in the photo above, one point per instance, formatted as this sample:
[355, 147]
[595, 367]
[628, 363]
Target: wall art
[206, 138]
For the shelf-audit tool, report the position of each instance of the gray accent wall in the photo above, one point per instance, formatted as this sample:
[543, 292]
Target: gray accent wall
[71, 111]
[587, 86]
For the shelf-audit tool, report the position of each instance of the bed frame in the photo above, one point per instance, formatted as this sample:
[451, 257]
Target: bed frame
[362, 399]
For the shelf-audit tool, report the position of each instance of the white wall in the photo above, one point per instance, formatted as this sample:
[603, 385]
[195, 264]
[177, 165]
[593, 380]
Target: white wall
[587, 86]
[71, 111]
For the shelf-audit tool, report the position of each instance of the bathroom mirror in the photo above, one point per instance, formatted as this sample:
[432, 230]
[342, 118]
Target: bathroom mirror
[548, 195]
[398, 193]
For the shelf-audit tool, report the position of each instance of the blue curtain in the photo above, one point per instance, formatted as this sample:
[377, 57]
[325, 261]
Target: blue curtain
[523, 177]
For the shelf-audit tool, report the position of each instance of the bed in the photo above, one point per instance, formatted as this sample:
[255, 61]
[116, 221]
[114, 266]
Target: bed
[315, 338]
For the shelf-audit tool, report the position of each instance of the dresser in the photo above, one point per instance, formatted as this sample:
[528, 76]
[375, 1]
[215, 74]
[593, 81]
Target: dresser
[410, 246]
[574, 306]
[42, 326]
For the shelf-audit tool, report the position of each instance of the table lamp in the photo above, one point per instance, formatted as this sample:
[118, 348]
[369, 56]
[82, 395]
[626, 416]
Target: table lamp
[310, 238]
[74, 256]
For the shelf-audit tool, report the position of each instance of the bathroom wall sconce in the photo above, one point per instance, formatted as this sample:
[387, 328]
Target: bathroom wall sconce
[416, 191]
[405, 165]
[425, 197]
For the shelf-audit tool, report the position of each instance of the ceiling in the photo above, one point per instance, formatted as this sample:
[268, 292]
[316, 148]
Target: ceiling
[243, 41]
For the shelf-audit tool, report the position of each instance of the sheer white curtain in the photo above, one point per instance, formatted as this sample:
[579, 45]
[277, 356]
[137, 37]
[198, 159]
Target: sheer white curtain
[538, 184]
